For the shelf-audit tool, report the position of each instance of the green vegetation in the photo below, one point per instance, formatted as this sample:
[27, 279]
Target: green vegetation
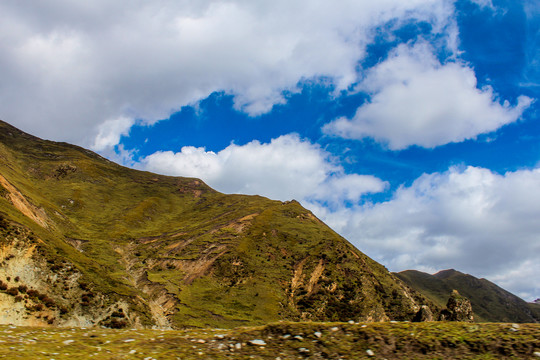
[179, 253]
[280, 340]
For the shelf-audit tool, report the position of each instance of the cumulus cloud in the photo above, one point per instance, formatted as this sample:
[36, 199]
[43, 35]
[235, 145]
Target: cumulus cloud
[469, 219]
[416, 100]
[286, 168]
[110, 132]
[67, 67]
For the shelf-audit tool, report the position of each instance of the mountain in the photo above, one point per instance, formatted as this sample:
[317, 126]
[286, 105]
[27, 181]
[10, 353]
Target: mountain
[534, 308]
[84, 241]
[490, 303]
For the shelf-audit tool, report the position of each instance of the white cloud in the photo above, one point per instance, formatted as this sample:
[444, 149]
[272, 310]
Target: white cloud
[415, 100]
[110, 132]
[469, 219]
[286, 168]
[68, 66]
[484, 3]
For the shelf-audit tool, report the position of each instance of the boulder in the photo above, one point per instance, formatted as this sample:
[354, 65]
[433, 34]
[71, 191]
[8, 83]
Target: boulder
[458, 308]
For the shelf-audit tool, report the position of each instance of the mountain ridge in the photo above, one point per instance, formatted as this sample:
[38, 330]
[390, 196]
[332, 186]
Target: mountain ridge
[489, 302]
[93, 243]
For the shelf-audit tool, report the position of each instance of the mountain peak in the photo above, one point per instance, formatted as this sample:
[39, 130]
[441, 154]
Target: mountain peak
[489, 302]
[444, 274]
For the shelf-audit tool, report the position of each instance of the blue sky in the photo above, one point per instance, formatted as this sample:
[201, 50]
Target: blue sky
[411, 128]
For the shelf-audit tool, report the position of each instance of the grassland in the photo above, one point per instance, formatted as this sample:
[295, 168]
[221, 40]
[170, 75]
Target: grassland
[279, 341]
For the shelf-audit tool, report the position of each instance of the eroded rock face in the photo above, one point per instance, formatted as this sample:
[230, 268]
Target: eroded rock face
[458, 308]
[36, 291]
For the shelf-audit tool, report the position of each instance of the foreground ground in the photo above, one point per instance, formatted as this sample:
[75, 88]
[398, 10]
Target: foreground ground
[280, 341]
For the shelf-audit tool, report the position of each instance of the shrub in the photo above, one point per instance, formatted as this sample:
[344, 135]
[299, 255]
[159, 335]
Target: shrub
[119, 313]
[48, 302]
[83, 286]
[115, 324]
[37, 307]
[3, 221]
[12, 291]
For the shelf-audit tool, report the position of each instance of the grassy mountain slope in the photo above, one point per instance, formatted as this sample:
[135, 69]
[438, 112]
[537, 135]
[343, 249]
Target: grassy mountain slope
[534, 308]
[489, 302]
[118, 247]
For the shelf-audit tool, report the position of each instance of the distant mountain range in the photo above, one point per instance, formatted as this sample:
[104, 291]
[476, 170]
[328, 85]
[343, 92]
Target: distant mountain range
[489, 302]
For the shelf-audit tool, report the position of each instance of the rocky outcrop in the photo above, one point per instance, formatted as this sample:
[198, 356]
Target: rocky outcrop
[458, 308]
[424, 314]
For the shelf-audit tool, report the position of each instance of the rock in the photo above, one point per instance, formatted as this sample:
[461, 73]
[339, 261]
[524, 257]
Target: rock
[298, 337]
[257, 342]
[458, 308]
[334, 329]
[303, 350]
[370, 352]
[424, 314]
[351, 322]
[67, 342]
[318, 334]
[537, 354]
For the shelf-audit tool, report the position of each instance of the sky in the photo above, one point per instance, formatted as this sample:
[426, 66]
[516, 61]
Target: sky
[410, 127]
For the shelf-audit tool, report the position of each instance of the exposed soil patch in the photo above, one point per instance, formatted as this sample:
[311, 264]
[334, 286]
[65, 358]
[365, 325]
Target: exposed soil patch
[23, 205]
